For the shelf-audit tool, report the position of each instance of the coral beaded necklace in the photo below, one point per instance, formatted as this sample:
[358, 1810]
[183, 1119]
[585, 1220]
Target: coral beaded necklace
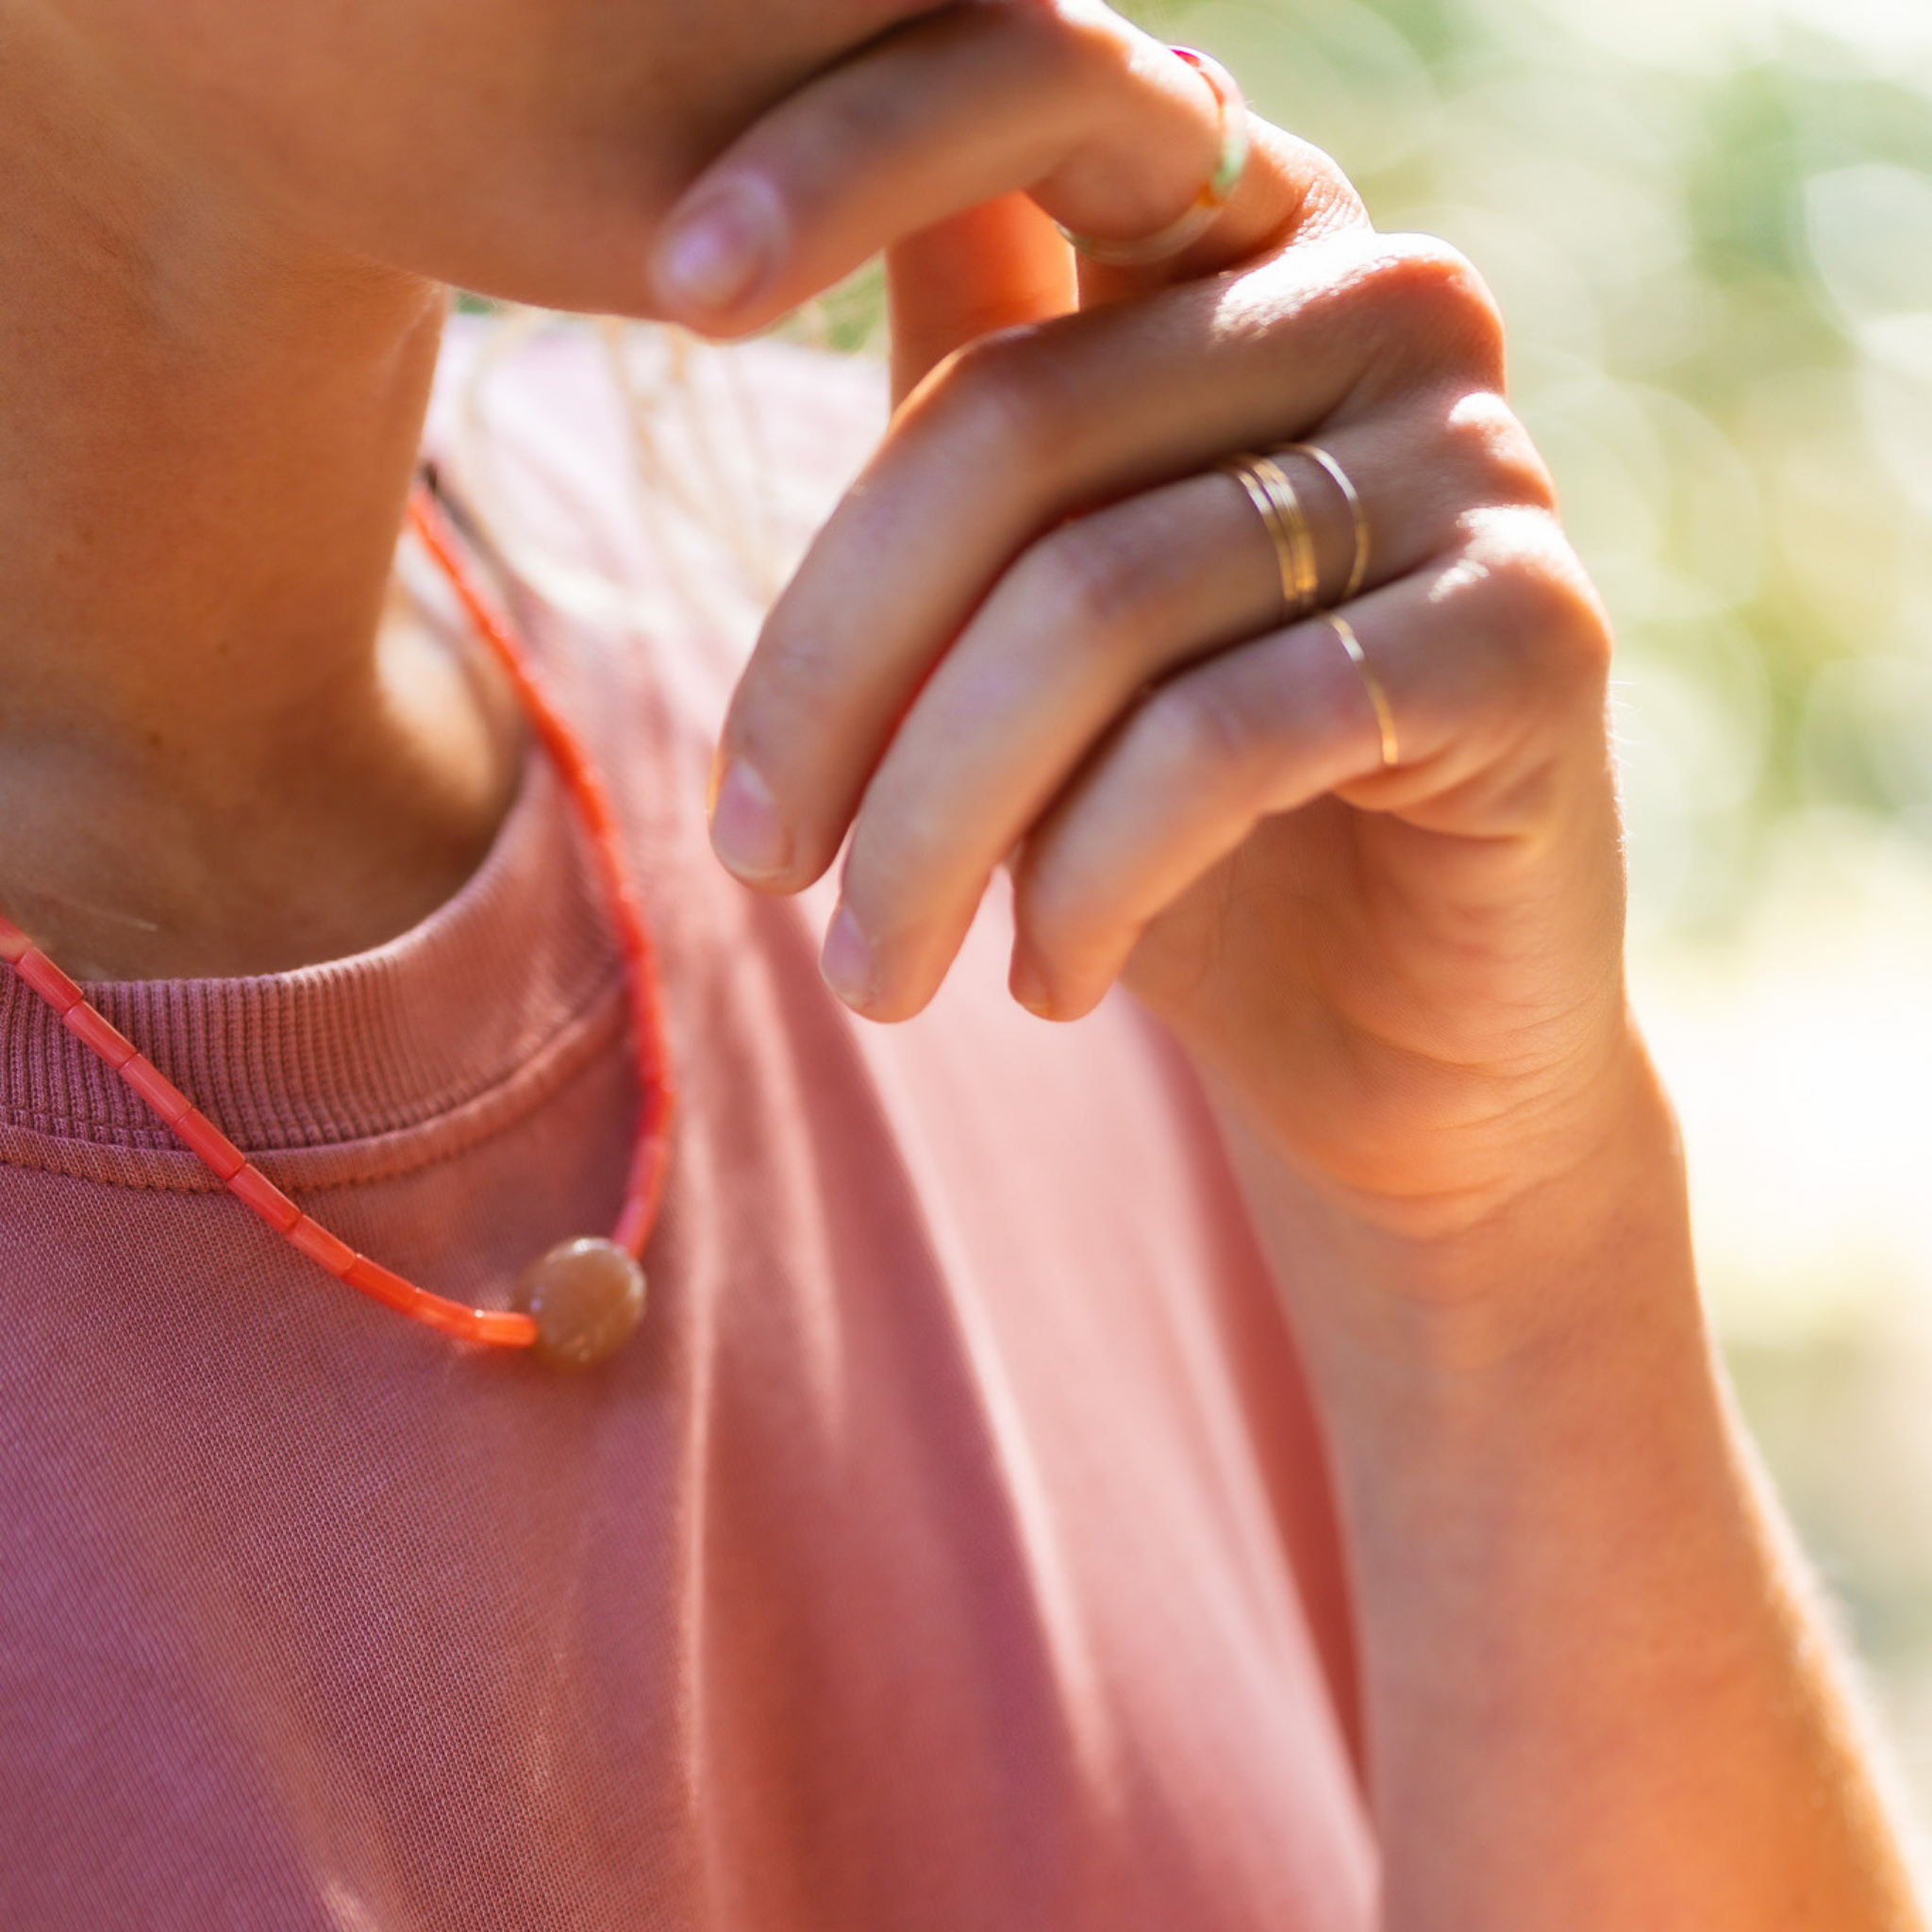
[576, 1303]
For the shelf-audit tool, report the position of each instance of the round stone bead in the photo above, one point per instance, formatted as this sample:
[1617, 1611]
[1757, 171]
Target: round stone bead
[585, 1296]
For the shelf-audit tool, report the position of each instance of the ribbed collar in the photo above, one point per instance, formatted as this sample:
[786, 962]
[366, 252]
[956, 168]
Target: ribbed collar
[387, 1059]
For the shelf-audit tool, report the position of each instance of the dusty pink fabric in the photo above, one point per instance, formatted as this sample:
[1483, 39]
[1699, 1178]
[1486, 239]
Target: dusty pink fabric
[930, 1559]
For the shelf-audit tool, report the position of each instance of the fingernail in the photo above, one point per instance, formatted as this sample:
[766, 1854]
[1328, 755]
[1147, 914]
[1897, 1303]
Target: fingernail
[1026, 986]
[847, 961]
[748, 832]
[714, 252]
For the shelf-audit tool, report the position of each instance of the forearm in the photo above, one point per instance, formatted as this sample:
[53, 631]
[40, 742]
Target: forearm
[1596, 1692]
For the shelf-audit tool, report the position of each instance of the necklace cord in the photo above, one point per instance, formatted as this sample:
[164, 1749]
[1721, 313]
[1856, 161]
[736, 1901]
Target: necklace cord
[644, 1187]
[644, 1184]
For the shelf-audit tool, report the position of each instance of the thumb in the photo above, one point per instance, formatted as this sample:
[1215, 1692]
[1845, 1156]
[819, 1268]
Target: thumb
[988, 268]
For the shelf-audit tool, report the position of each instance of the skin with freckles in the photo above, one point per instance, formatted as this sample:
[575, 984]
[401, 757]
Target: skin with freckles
[1044, 632]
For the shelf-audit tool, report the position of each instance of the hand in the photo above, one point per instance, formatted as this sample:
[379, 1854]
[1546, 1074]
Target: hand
[1042, 631]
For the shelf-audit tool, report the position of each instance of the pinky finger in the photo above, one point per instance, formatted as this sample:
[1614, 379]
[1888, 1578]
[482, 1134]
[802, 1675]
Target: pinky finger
[1464, 659]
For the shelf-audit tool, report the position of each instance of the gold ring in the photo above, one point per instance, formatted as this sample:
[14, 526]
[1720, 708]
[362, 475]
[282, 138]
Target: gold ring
[1280, 510]
[1358, 568]
[1298, 531]
[1385, 718]
[1195, 219]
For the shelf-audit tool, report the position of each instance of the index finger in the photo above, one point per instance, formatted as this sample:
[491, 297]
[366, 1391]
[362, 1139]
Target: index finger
[1105, 128]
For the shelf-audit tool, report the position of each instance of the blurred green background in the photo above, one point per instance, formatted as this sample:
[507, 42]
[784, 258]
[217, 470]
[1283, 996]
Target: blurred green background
[1709, 225]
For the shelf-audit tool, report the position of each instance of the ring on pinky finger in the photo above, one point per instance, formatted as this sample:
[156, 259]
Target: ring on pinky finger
[1379, 696]
[1262, 730]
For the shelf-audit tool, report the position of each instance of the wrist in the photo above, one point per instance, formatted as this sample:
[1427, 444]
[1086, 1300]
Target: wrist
[1588, 1214]
[1579, 1620]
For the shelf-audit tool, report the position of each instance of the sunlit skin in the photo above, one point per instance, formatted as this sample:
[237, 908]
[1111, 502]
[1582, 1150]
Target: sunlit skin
[1041, 633]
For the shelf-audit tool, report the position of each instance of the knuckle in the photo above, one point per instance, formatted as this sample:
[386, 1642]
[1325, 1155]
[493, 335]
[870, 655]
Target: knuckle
[1087, 41]
[852, 126]
[1489, 443]
[1331, 204]
[1541, 605]
[1011, 399]
[899, 836]
[1052, 907]
[1197, 732]
[808, 162]
[1090, 584]
[1428, 295]
[803, 676]
[806, 678]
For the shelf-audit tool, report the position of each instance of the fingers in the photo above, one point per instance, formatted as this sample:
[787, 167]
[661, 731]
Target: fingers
[1057, 663]
[1077, 627]
[1105, 128]
[973, 637]
[1024, 434]
[1494, 666]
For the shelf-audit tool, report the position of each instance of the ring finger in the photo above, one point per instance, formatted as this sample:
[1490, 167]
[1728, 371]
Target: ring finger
[1472, 662]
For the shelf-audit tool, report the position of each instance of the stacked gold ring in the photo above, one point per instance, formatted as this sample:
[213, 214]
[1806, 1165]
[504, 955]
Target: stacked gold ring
[1358, 568]
[1273, 496]
[1287, 523]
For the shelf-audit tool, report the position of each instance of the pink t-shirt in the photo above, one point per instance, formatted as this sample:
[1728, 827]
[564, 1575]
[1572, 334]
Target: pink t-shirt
[948, 1549]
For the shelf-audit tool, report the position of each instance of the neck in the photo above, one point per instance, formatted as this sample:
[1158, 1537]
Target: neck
[222, 747]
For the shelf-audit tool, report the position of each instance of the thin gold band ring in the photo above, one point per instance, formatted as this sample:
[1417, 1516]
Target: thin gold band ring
[1279, 507]
[1298, 532]
[1359, 566]
[1385, 718]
